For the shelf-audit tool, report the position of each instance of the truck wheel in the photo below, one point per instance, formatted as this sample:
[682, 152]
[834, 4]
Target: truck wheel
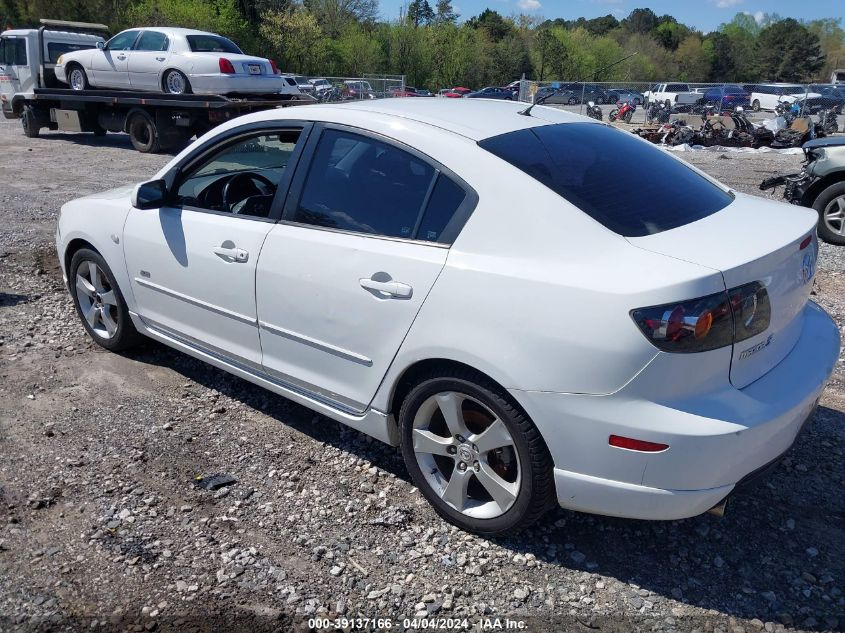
[830, 204]
[756, 105]
[668, 103]
[143, 133]
[77, 78]
[29, 121]
[176, 83]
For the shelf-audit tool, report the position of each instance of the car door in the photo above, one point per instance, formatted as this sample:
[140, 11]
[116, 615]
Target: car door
[110, 64]
[148, 59]
[192, 262]
[341, 278]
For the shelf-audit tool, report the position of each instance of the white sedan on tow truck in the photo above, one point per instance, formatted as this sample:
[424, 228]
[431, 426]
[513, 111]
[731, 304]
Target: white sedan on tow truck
[464, 279]
[173, 61]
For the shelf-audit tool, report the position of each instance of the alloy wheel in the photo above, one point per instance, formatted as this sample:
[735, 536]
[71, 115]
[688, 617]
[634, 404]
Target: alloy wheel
[467, 455]
[175, 83]
[97, 300]
[77, 79]
[834, 215]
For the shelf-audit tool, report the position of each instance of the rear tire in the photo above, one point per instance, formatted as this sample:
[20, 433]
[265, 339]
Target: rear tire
[104, 314]
[29, 122]
[755, 105]
[175, 82]
[572, 101]
[830, 205]
[143, 133]
[516, 464]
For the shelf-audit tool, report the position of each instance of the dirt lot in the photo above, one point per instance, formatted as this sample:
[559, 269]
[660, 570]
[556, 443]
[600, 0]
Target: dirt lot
[103, 527]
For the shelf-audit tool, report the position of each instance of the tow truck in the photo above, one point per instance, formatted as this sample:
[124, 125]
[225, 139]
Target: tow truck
[29, 91]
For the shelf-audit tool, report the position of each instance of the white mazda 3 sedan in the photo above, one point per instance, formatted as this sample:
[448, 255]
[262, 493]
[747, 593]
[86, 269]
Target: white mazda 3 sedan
[173, 61]
[483, 287]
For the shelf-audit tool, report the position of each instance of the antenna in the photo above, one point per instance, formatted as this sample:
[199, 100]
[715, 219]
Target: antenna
[541, 100]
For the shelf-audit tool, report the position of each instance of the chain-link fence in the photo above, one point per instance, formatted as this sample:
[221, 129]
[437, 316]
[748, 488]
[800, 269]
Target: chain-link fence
[647, 103]
[350, 88]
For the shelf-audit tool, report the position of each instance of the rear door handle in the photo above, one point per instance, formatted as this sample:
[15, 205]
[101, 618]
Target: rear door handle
[121, 57]
[161, 59]
[392, 288]
[234, 254]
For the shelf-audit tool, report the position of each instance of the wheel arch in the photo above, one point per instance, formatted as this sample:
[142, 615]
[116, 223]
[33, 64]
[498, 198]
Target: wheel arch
[820, 185]
[73, 246]
[409, 377]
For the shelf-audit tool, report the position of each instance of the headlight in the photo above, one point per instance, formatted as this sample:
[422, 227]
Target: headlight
[59, 60]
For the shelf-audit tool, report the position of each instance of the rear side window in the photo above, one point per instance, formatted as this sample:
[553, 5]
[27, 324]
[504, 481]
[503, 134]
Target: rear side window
[629, 186]
[356, 183]
[446, 197]
[152, 41]
[56, 49]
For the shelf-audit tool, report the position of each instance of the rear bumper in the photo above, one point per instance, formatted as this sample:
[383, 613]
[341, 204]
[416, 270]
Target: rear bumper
[226, 84]
[715, 439]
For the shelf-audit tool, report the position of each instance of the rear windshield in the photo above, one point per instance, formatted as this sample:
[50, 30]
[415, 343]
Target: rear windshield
[212, 44]
[627, 185]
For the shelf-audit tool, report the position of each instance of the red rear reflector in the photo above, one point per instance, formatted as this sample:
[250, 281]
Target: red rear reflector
[275, 68]
[226, 66]
[636, 445]
[805, 243]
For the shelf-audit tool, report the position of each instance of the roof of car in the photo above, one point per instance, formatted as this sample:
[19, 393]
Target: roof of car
[476, 119]
[172, 30]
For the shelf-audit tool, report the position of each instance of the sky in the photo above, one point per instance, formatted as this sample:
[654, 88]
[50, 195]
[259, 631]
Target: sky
[705, 15]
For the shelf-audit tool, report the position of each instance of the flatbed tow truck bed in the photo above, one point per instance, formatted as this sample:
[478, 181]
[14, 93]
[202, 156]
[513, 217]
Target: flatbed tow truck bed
[153, 121]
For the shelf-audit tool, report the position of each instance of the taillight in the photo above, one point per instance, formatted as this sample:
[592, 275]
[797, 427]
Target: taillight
[275, 68]
[226, 66]
[706, 323]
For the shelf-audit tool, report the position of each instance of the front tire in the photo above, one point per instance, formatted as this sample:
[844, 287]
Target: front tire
[830, 205]
[29, 122]
[77, 79]
[474, 455]
[99, 302]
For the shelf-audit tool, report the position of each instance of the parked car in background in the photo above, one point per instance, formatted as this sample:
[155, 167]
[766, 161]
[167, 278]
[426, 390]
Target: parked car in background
[819, 185]
[320, 85]
[826, 96]
[407, 91]
[422, 92]
[304, 84]
[556, 95]
[672, 94]
[449, 93]
[726, 96]
[586, 92]
[170, 60]
[624, 94]
[767, 96]
[461, 90]
[491, 92]
[356, 89]
[358, 269]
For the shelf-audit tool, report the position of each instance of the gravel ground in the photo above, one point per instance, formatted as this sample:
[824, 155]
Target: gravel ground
[104, 527]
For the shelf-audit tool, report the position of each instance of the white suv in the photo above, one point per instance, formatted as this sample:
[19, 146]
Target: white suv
[767, 96]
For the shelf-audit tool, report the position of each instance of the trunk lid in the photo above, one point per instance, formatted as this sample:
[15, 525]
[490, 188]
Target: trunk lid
[750, 240]
[243, 63]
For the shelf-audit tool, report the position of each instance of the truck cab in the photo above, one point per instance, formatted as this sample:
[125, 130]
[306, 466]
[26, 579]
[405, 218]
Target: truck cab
[28, 58]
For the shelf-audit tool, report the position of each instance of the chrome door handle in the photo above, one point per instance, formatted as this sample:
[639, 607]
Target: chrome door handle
[121, 57]
[234, 254]
[392, 288]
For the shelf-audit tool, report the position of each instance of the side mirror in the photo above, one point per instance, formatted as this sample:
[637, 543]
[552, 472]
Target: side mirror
[149, 195]
[101, 45]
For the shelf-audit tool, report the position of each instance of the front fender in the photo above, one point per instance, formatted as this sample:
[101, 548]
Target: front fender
[99, 223]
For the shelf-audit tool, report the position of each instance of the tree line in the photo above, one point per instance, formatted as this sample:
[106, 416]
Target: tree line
[428, 43]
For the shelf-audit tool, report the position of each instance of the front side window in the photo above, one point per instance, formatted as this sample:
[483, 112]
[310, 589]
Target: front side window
[122, 41]
[13, 51]
[212, 44]
[152, 41]
[356, 183]
[242, 177]
[580, 162]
